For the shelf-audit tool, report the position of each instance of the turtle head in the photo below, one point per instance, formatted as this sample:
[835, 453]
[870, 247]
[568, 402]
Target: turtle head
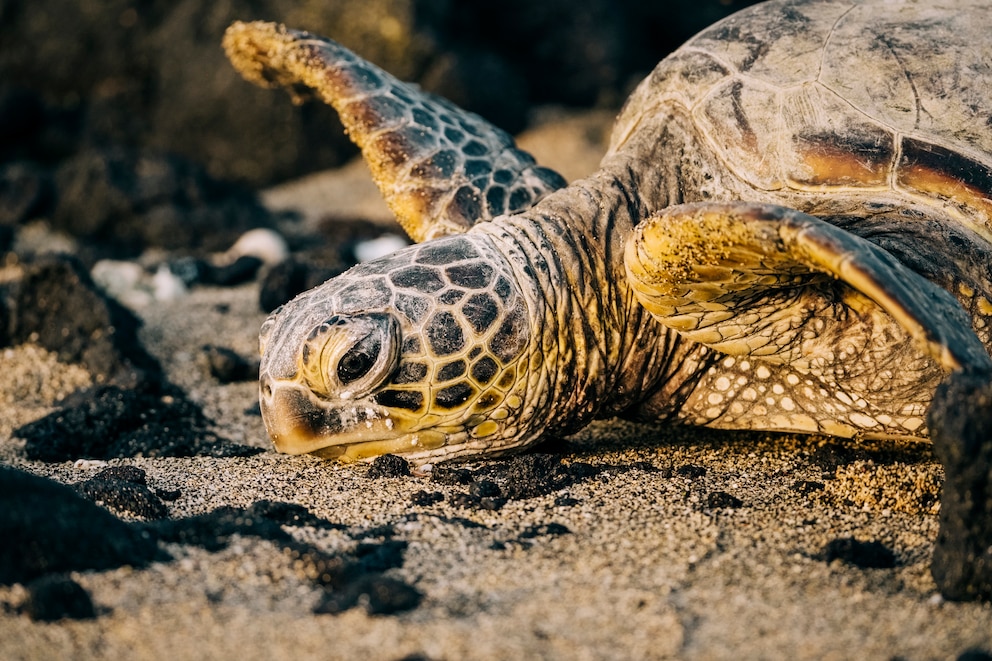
[423, 352]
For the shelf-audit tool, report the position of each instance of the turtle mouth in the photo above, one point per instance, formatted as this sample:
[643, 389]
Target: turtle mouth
[298, 423]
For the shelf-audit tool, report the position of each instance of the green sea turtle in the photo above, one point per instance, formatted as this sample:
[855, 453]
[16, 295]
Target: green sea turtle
[790, 231]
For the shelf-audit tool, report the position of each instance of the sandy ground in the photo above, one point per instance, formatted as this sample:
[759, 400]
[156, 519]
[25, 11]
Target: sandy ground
[654, 563]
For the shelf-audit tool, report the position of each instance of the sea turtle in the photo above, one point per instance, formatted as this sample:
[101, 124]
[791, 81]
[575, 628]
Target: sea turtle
[790, 231]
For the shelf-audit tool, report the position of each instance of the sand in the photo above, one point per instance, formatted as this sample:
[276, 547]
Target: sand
[688, 544]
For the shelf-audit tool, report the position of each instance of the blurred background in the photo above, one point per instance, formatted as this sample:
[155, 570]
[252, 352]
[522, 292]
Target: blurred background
[150, 74]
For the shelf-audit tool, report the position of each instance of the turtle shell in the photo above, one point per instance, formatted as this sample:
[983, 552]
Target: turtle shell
[862, 101]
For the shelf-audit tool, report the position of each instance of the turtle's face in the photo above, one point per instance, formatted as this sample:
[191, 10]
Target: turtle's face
[423, 352]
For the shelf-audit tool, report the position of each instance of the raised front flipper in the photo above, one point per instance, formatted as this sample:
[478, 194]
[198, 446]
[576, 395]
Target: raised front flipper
[441, 169]
[780, 285]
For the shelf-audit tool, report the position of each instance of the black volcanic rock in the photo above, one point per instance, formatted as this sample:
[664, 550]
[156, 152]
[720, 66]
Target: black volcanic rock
[960, 420]
[53, 302]
[47, 528]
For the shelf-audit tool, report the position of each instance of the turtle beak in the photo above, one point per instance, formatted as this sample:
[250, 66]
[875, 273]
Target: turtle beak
[295, 423]
[299, 422]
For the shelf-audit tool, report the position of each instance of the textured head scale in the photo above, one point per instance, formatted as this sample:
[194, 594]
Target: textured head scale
[422, 352]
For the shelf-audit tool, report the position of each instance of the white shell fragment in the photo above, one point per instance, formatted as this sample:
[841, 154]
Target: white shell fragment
[265, 244]
[386, 244]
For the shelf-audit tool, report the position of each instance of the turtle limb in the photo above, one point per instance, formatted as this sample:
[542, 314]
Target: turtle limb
[440, 168]
[763, 280]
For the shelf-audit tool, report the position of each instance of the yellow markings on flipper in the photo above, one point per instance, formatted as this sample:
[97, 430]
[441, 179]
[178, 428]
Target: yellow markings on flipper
[984, 307]
[779, 249]
[487, 428]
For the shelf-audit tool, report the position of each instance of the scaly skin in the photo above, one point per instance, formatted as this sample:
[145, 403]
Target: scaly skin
[741, 333]
[771, 243]
[440, 168]
[489, 339]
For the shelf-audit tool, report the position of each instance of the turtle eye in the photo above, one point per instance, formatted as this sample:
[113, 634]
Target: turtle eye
[350, 355]
[358, 360]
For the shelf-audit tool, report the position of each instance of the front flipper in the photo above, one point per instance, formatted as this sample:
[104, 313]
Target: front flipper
[764, 281]
[441, 169]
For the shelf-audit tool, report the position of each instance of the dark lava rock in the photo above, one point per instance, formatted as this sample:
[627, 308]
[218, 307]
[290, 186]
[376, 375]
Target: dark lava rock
[290, 514]
[570, 52]
[426, 498]
[131, 474]
[524, 539]
[388, 465]
[451, 475]
[25, 192]
[53, 302]
[227, 366]
[485, 489]
[831, 456]
[241, 270]
[196, 271]
[807, 487]
[484, 494]
[384, 531]
[471, 501]
[151, 420]
[465, 500]
[168, 495]
[57, 597]
[531, 475]
[974, 655]
[520, 477]
[123, 496]
[565, 500]
[722, 499]
[122, 202]
[691, 471]
[6, 238]
[380, 556]
[544, 529]
[867, 555]
[46, 528]
[291, 277]
[380, 595]
[960, 422]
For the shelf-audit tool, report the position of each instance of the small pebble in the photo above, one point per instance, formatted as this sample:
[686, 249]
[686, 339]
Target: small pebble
[227, 366]
[388, 465]
[264, 244]
[722, 500]
[867, 555]
[426, 498]
[166, 285]
[58, 597]
[366, 251]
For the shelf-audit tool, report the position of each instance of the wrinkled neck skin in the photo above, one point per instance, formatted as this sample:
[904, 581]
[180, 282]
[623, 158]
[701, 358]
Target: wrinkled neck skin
[596, 352]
